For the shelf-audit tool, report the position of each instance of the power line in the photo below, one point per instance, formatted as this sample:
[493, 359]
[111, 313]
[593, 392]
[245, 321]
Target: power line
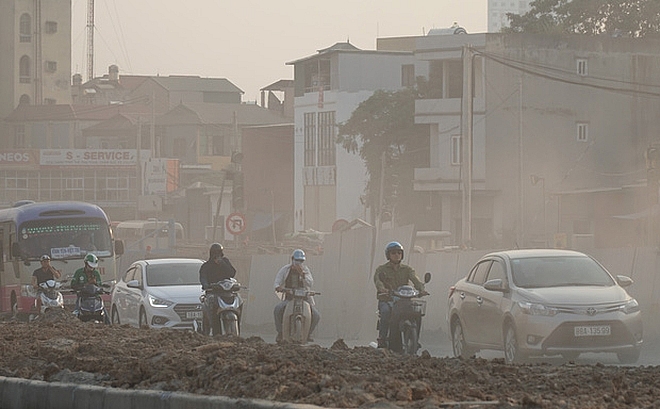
[520, 66]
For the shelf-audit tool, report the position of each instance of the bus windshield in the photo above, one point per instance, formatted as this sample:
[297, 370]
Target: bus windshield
[65, 238]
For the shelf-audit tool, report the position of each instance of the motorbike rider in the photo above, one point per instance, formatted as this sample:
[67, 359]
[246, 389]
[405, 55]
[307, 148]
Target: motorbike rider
[389, 277]
[88, 274]
[216, 268]
[44, 273]
[294, 275]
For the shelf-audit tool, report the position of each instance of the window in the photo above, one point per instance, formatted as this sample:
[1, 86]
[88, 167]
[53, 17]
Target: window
[456, 149]
[50, 101]
[582, 132]
[478, 274]
[408, 75]
[51, 27]
[19, 136]
[446, 79]
[310, 138]
[497, 271]
[51, 66]
[454, 79]
[327, 138]
[24, 70]
[582, 68]
[180, 146]
[24, 100]
[25, 28]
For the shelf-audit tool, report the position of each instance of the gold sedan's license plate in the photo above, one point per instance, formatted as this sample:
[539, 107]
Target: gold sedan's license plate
[193, 314]
[592, 331]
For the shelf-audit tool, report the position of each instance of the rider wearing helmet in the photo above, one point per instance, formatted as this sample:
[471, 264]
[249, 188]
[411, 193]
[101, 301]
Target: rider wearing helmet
[389, 277]
[88, 274]
[294, 275]
[42, 274]
[216, 268]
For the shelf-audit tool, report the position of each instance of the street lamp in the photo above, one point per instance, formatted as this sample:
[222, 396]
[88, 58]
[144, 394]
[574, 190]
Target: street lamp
[536, 179]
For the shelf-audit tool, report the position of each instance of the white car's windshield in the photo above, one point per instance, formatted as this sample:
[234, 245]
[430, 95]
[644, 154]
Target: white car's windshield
[540, 272]
[173, 274]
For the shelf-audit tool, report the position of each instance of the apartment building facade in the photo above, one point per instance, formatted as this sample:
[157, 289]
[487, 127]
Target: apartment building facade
[35, 44]
[498, 9]
[555, 138]
[329, 85]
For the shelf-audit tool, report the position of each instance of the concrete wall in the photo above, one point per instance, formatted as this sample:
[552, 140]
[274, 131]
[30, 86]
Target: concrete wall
[18, 393]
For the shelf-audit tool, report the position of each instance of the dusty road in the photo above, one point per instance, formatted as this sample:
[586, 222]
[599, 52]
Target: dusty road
[340, 375]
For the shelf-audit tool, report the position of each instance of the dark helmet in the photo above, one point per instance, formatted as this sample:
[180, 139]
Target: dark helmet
[298, 255]
[394, 245]
[216, 250]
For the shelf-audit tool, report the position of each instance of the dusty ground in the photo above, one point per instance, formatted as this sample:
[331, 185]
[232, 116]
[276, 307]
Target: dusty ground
[66, 350]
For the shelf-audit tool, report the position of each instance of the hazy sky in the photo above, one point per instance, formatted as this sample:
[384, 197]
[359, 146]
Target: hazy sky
[248, 42]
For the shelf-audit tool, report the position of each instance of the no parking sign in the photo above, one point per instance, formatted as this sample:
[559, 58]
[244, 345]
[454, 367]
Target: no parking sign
[235, 223]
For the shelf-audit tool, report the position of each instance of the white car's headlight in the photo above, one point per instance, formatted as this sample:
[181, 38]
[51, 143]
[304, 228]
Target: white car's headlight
[630, 306]
[159, 302]
[537, 309]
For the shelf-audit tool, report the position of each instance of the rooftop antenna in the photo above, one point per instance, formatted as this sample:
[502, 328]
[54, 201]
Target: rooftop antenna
[90, 40]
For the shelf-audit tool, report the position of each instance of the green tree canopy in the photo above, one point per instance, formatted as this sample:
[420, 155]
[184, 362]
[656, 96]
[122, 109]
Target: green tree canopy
[629, 18]
[384, 124]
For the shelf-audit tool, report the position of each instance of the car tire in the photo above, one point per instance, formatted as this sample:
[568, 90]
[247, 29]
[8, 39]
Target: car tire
[511, 348]
[143, 323]
[628, 357]
[115, 316]
[458, 344]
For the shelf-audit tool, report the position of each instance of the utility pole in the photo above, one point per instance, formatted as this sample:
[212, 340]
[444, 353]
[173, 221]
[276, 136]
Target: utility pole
[466, 139]
[521, 186]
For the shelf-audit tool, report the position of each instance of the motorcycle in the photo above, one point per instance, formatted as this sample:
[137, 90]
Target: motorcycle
[50, 298]
[227, 321]
[408, 310]
[91, 306]
[297, 315]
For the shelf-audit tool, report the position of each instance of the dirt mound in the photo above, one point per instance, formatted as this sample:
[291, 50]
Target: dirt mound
[63, 349]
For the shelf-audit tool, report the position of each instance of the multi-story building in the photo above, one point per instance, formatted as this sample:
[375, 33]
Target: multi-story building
[552, 147]
[329, 85]
[498, 9]
[35, 45]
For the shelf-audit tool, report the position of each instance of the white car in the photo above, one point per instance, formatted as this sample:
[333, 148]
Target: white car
[158, 293]
[543, 302]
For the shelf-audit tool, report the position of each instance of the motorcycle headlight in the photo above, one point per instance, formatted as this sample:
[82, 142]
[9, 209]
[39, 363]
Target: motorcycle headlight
[537, 309]
[159, 302]
[630, 306]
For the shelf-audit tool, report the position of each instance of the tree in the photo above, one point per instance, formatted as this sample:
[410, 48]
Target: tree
[629, 18]
[384, 125]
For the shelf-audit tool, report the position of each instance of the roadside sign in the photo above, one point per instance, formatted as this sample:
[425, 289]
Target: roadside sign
[235, 223]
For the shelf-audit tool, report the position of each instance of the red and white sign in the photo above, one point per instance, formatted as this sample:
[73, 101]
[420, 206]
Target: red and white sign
[235, 223]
